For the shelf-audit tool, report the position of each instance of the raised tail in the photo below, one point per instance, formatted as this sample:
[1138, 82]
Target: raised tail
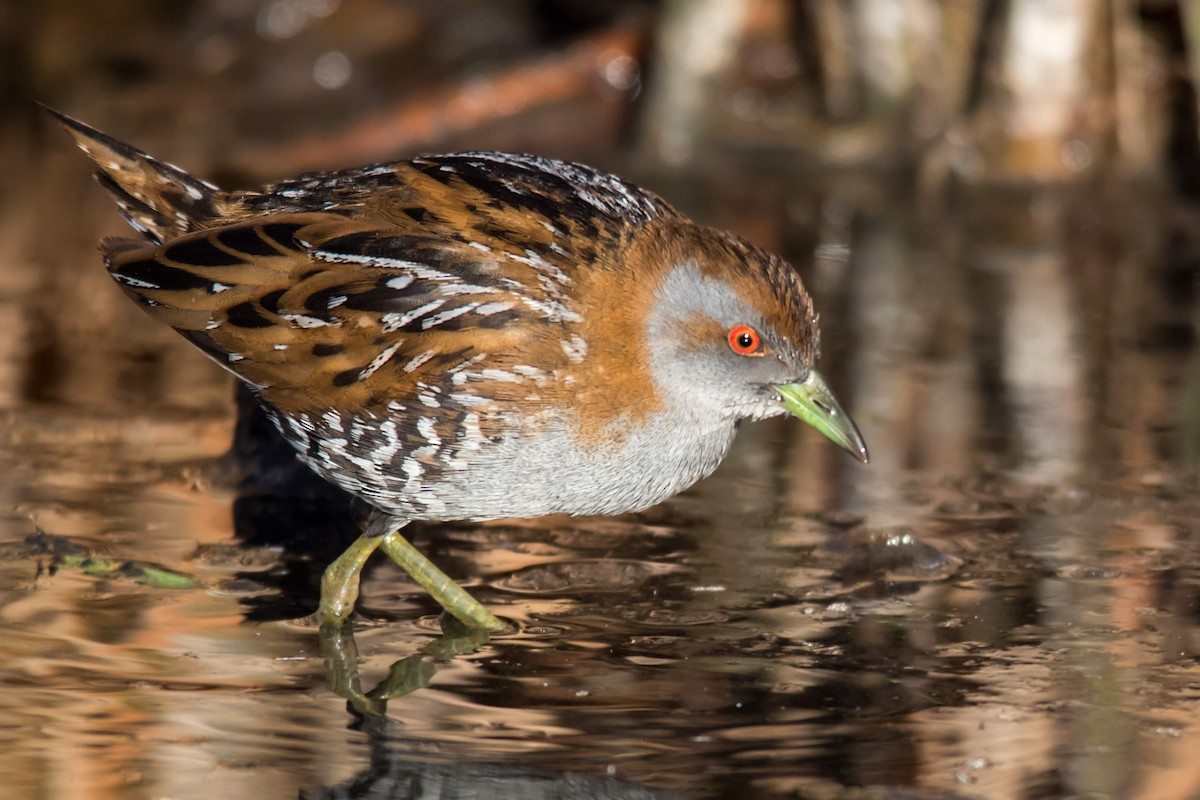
[158, 199]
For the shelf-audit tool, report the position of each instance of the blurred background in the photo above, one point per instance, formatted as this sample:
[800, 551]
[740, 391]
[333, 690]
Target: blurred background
[994, 203]
[993, 131]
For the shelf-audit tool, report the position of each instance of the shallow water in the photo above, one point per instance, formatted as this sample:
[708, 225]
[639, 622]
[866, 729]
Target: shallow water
[1002, 604]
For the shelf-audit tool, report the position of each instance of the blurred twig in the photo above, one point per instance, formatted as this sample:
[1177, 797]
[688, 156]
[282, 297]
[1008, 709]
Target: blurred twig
[448, 110]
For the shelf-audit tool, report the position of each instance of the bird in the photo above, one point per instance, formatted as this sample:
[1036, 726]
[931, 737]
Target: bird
[471, 336]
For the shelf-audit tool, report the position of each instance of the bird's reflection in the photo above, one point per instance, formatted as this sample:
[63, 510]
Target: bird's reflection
[396, 770]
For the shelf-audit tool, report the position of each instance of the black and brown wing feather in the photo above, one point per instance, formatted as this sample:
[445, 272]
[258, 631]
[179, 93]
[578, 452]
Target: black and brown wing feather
[321, 311]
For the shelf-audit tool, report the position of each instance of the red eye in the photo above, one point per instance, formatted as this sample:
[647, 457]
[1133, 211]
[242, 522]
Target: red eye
[745, 341]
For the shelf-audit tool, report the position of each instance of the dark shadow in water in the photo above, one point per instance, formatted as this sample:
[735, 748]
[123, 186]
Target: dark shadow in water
[397, 771]
[283, 504]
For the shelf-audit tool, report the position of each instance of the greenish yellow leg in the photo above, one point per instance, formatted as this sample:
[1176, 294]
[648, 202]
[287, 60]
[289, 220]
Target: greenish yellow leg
[447, 593]
[339, 584]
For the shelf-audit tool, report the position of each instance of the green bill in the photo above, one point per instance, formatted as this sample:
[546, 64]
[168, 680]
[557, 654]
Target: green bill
[812, 402]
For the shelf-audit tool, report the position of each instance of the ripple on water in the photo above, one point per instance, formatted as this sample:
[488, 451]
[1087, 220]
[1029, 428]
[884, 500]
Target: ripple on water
[582, 577]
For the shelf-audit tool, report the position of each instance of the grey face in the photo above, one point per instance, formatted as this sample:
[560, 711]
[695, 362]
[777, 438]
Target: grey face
[694, 360]
[702, 364]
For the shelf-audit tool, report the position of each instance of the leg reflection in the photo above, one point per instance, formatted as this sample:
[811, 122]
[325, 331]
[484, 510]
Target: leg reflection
[340, 653]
